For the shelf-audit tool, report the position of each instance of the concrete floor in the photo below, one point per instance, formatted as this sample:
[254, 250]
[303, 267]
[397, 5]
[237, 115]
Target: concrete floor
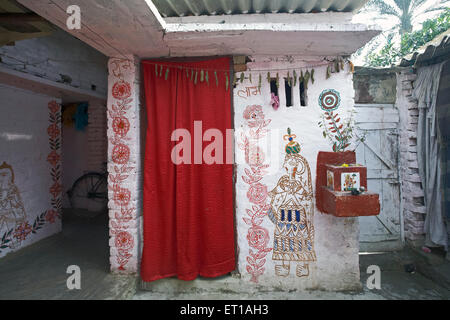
[39, 272]
[396, 284]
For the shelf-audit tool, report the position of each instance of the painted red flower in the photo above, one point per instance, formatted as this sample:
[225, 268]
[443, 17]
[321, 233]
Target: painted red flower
[122, 196]
[55, 189]
[121, 154]
[124, 240]
[53, 106]
[121, 90]
[22, 231]
[53, 131]
[121, 126]
[258, 237]
[257, 193]
[254, 115]
[53, 158]
[51, 216]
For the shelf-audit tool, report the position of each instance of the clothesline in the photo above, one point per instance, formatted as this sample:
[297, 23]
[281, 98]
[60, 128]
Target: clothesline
[181, 67]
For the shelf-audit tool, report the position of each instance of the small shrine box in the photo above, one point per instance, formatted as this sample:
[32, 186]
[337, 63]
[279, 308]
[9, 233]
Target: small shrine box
[334, 182]
[341, 178]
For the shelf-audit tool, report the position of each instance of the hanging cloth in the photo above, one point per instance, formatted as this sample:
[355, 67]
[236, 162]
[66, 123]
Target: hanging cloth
[188, 208]
[82, 116]
[428, 153]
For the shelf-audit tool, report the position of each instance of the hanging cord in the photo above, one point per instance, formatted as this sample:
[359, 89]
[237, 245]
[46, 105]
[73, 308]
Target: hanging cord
[167, 65]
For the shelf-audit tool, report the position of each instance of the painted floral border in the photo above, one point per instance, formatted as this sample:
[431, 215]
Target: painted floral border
[120, 156]
[257, 236]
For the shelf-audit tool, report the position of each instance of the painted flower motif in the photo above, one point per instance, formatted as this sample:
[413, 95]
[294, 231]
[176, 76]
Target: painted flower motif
[22, 231]
[51, 216]
[53, 106]
[121, 90]
[121, 154]
[257, 193]
[124, 240]
[254, 156]
[254, 116]
[53, 131]
[258, 237]
[53, 158]
[121, 126]
[122, 196]
[55, 189]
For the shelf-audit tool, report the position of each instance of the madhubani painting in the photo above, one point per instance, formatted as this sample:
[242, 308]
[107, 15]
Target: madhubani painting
[12, 212]
[291, 211]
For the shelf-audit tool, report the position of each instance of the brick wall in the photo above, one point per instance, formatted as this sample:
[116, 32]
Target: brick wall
[97, 137]
[59, 57]
[413, 197]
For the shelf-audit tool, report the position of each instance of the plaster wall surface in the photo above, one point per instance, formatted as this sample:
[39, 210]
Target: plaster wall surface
[372, 86]
[335, 239]
[59, 57]
[24, 145]
[74, 158]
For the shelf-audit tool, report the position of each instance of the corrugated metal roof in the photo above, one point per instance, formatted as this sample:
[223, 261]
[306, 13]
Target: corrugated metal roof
[433, 51]
[181, 8]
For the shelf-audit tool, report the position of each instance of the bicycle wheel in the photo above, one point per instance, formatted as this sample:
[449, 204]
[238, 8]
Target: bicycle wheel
[89, 195]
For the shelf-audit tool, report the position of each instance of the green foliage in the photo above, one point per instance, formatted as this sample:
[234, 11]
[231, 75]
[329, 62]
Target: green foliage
[410, 41]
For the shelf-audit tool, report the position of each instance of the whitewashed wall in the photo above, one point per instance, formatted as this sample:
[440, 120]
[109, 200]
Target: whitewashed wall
[336, 239]
[59, 57]
[24, 145]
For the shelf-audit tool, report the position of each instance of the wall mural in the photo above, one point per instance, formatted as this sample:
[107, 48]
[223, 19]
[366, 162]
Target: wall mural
[329, 101]
[257, 236]
[291, 211]
[12, 211]
[14, 226]
[120, 156]
[275, 198]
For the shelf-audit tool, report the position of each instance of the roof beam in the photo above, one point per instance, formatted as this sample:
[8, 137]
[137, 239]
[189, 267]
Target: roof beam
[19, 18]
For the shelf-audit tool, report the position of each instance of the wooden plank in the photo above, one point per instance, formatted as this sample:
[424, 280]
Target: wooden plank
[374, 105]
[377, 125]
[19, 18]
[377, 115]
[387, 162]
[381, 174]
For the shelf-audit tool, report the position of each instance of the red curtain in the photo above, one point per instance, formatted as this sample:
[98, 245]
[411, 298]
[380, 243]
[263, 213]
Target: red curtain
[188, 208]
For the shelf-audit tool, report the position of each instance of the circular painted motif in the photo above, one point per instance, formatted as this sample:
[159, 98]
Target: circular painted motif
[121, 126]
[121, 154]
[124, 240]
[121, 90]
[122, 197]
[329, 100]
